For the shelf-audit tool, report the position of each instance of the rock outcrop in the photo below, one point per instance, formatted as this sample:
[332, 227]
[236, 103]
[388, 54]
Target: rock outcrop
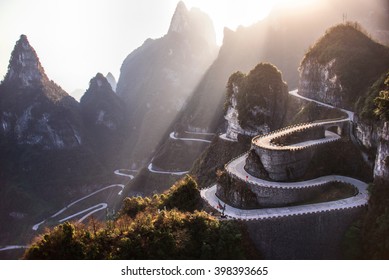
[255, 102]
[341, 66]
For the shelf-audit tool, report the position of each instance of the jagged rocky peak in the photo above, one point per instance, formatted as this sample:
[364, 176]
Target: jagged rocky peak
[192, 22]
[25, 69]
[180, 20]
[111, 80]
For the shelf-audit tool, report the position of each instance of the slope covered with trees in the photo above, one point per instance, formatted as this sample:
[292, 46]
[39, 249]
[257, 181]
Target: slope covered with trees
[166, 226]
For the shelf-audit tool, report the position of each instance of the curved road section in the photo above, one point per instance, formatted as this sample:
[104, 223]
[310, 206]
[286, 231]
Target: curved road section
[172, 135]
[152, 170]
[236, 168]
[13, 247]
[89, 211]
[99, 206]
[123, 172]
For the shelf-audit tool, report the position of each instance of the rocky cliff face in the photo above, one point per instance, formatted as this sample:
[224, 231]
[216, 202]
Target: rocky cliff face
[255, 102]
[381, 167]
[341, 66]
[321, 81]
[157, 78]
[34, 110]
[231, 116]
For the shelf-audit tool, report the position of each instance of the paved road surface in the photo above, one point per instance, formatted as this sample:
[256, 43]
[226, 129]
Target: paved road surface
[172, 136]
[121, 186]
[119, 172]
[152, 170]
[224, 137]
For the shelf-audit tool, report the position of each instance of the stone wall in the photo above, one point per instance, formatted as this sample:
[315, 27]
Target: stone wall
[309, 236]
[283, 165]
[237, 194]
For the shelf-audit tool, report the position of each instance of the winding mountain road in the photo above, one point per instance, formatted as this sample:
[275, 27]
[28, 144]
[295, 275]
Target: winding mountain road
[178, 173]
[119, 172]
[172, 136]
[224, 137]
[89, 211]
[92, 209]
[121, 186]
[236, 168]
[201, 133]
[13, 247]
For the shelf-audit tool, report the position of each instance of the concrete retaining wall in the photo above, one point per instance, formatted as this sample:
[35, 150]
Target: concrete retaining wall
[285, 165]
[309, 236]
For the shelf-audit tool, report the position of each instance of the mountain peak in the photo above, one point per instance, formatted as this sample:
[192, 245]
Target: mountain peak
[99, 84]
[180, 20]
[192, 23]
[24, 67]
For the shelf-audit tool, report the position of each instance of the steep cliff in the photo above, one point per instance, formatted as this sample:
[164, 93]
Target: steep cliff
[341, 66]
[255, 103]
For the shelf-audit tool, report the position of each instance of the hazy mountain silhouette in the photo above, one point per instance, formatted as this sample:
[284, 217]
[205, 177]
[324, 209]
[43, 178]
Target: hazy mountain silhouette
[157, 78]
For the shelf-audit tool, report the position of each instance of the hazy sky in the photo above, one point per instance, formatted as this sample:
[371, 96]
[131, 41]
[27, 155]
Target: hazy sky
[75, 39]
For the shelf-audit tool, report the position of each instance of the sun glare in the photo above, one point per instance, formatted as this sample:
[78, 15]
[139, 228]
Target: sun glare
[232, 13]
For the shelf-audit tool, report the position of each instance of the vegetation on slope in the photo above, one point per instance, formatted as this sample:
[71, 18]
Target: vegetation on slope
[382, 101]
[375, 234]
[375, 105]
[359, 59]
[368, 238]
[166, 226]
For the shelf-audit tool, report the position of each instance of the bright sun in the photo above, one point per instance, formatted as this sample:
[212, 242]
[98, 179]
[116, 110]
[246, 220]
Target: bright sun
[232, 13]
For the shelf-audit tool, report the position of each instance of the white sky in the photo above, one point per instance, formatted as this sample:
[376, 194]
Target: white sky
[75, 39]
